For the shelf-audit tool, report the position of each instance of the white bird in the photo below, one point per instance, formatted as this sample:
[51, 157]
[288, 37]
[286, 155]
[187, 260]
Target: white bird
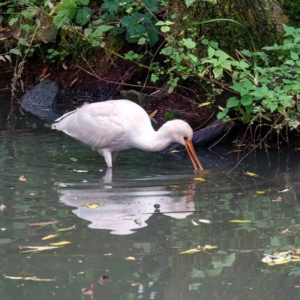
[111, 126]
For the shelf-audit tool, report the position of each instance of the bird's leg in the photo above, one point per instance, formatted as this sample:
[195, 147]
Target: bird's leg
[114, 156]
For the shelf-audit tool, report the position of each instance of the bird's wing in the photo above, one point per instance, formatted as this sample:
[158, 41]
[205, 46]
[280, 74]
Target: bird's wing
[97, 126]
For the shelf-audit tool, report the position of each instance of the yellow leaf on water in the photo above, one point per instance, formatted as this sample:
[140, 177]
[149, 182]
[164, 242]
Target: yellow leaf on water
[153, 114]
[62, 243]
[260, 192]
[204, 104]
[200, 179]
[65, 229]
[251, 174]
[240, 221]
[129, 258]
[108, 254]
[73, 159]
[174, 186]
[209, 247]
[175, 151]
[281, 261]
[191, 251]
[91, 205]
[135, 283]
[48, 237]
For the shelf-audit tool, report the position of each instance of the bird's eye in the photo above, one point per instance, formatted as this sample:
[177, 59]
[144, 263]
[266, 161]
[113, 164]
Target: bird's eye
[185, 138]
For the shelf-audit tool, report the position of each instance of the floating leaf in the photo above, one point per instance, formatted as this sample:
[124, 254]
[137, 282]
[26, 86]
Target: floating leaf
[62, 243]
[32, 194]
[28, 278]
[43, 223]
[135, 284]
[175, 151]
[284, 231]
[240, 221]
[92, 205]
[62, 185]
[200, 179]
[251, 174]
[194, 223]
[260, 192]
[65, 229]
[129, 258]
[36, 248]
[209, 247]
[108, 254]
[80, 171]
[174, 186]
[284, 191]
[48, 237]
[191, 251]
[204, 104]
[73, 159]
[22, 178]
[204, 221]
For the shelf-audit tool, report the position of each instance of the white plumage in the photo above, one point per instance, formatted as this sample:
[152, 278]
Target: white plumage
[111, 126]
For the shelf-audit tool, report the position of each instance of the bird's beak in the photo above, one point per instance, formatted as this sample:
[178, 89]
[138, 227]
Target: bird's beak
[193, 156]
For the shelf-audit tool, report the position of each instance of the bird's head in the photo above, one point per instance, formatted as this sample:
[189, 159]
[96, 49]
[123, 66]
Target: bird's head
[181, 132]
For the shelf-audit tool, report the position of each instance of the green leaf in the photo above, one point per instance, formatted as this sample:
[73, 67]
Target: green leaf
[189, 2]
[167, 51]
[87, 31]
[165, 28]
[82, 2]
[232, 102]
[15, 51]
[294, 56]
[189, 43]
[218, 72]
[272, 106]
[246, 100]
[211, 52]
[111, 7]
[83, 15]
[29, 13]
[23, 42]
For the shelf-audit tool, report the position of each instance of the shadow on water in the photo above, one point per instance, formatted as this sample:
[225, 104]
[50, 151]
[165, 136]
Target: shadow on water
[132, 224]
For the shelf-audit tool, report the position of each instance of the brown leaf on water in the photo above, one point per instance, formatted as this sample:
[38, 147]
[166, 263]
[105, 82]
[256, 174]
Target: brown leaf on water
[22, 178]
[28, 278]
[88, 291]
[62, 243]
[279, 199]
[284, 231]
[2, 207]
[66, 229]
[43, 223]
[48, 237]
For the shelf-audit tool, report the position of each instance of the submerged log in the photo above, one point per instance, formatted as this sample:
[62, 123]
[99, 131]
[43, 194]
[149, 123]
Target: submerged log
[205, 136]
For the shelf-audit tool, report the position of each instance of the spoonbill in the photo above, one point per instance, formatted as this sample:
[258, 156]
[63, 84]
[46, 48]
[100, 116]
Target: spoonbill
[111, 126]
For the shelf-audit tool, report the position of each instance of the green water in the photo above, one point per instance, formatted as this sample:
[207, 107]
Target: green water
[148, 209]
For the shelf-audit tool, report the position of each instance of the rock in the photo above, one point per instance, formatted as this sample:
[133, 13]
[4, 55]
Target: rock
[41, 100]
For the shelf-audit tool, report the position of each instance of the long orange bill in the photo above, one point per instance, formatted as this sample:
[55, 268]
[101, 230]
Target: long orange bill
[193, 156]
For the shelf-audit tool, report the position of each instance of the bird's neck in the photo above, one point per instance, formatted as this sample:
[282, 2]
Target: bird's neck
[156, 140]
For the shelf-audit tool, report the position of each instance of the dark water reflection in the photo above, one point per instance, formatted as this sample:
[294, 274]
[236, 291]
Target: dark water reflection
[146, 209]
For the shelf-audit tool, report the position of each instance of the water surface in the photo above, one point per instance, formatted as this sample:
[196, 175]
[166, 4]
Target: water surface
[132, 223]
